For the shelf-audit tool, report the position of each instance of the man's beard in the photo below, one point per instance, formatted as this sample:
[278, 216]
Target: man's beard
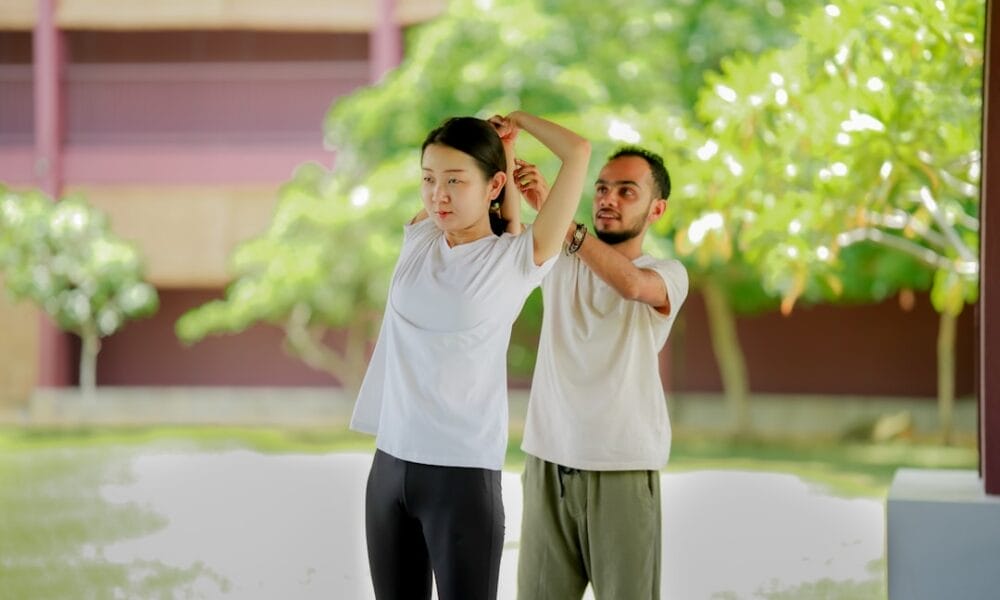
[617, 237]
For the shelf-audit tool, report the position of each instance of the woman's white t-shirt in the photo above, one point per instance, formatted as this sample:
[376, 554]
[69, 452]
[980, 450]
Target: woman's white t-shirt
[436, 388]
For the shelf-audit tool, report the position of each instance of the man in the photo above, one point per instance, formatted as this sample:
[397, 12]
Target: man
[597, 431]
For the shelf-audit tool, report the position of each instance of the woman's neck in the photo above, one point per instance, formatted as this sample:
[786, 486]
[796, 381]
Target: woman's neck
[472, 233]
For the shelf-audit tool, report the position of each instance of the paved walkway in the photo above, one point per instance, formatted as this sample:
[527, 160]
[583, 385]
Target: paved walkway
[291, 526]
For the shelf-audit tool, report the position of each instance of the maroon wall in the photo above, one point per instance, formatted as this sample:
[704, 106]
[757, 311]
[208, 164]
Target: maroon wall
[147, 352]
[186, 87]
[877, 349]
[865, 350]
[213, 46]
[17, 112]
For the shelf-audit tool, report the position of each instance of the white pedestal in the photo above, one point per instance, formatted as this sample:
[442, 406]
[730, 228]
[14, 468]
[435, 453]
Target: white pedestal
[943, 537]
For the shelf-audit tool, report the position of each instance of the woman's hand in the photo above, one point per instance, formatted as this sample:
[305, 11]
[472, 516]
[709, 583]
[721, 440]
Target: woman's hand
[530, 183]
[558, 207]
[510, 210]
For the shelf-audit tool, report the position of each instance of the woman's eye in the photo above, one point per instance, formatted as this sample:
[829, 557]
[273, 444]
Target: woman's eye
[452, 180]
[427, 179]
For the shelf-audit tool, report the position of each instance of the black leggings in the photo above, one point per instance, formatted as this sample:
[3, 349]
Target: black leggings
[422, 517]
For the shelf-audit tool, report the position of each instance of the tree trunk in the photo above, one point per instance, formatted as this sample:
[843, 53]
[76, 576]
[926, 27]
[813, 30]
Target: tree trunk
[728, 355]
[306, 342]
[88, 362]
[946, 374]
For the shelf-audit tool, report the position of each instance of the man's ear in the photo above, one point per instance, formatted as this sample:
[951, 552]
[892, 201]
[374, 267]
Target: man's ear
[496, 184]
[656, 210]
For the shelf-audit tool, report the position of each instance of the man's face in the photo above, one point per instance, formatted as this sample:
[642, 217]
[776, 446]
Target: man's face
[623, 199]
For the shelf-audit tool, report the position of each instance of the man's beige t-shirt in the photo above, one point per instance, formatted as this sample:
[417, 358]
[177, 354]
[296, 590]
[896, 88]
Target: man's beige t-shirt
[597, 401]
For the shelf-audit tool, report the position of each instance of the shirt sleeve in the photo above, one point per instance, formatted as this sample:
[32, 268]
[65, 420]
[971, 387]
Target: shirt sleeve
[415, 231]
[675, 278]
[368, 406]
[524, 258]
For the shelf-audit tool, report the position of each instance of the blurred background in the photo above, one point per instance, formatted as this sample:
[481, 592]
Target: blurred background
[201, 204]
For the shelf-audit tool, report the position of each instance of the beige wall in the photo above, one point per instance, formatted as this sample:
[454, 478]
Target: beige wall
[18, 15]
[185, 233]
[18, 350]
[276, 15]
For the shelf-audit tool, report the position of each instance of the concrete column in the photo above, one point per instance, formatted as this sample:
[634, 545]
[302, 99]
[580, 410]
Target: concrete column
[54, 367]
[943, 536]
[943, 527]
[989, 263]
[385, 47]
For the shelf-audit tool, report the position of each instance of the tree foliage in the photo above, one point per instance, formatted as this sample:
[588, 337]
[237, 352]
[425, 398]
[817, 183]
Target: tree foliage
[820, 152]
[64, 257]
[550, 57]
[856, 153]
[866, 130]
[335, 235]
[323, 264]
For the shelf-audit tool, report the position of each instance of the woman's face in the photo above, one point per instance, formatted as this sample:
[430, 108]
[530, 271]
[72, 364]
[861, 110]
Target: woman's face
[455, 192]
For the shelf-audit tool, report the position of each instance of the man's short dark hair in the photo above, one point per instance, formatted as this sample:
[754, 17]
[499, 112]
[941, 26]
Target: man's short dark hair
[660, 176]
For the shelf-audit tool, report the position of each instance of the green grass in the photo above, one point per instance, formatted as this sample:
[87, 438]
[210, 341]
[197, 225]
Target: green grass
[53, 519]
[848, 468]
[265, 440]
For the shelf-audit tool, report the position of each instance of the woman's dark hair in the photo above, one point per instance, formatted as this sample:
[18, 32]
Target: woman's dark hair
[478, 139]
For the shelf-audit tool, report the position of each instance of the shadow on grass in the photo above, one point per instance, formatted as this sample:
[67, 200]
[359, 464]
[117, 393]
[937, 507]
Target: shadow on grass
[54, 524]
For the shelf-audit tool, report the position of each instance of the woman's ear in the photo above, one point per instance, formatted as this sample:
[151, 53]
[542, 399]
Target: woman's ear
[496, 184]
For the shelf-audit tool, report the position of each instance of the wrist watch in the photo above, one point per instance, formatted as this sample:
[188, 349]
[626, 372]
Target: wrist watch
[577, 240]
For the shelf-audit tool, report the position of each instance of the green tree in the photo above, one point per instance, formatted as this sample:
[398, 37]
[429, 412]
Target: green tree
[323, 264]
[63, 257]
[551, 57]
[705, 228]
[597, 59]
[866, 131]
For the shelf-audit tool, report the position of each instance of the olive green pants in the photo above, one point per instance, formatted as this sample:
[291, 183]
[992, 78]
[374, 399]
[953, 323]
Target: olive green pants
[601, 527]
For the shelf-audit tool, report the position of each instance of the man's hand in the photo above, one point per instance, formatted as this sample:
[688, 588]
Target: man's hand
[530, 183]
[505, 129]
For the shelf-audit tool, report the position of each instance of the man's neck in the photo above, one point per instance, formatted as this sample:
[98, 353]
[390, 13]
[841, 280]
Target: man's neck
[630, 249]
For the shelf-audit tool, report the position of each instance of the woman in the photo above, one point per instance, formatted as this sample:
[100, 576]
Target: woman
[435, 394]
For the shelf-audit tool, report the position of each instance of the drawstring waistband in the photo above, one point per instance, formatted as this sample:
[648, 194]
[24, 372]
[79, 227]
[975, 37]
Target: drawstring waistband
[561, 470]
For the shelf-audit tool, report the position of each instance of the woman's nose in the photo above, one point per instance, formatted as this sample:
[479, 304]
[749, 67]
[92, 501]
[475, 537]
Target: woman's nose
[440, 193]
